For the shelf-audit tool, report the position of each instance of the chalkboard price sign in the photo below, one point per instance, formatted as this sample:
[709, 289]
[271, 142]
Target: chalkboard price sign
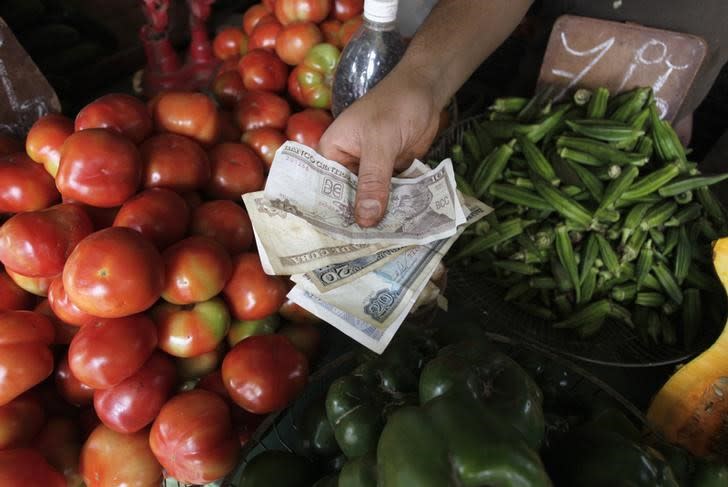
[588, 53]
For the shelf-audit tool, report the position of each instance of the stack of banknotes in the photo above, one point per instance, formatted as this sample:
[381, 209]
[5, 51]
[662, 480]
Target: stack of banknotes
[363, 281]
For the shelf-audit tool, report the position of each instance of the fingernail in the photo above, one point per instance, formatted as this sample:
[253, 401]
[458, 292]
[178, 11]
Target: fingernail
[368, 209]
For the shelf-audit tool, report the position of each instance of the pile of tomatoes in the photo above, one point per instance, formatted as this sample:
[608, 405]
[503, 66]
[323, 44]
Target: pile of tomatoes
[139, 334]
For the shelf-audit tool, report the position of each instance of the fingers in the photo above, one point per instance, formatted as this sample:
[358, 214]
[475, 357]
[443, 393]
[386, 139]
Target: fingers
[337, 144]
[375, 172]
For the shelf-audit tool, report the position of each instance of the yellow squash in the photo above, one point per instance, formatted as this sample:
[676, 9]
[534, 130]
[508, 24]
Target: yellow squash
[691, 409]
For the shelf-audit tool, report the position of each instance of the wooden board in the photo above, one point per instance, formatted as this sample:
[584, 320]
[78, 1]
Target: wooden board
[588, 53]
[25, 94]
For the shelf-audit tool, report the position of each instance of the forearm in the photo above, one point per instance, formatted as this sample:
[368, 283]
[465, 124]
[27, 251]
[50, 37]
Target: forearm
[456, 37]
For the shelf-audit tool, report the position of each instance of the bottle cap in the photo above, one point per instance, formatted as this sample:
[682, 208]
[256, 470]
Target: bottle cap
[380, 10]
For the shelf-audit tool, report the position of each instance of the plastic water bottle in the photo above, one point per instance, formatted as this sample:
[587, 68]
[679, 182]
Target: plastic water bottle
[372, 52]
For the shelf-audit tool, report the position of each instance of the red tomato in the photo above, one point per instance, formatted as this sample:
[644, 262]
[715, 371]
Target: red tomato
[304, 336]
[258, 109]
[20, 421]
[120, 112]
[25, 185]
[37, 243]
[330, 30]
[186, 113]
[71, 389]
[213, 382]
[34, 285]
[240, 330]
[196, 269]
[229, 131]
[27, 467]
[100, 217]
[250, 292]
[224, 221]
[13, 296]
[60, 443]
[264, 373]
[308, 126]
[265, 142]
[94, 355]
[264, 35]
[236, 170]
[160, 214]
[45, 139]
[114, 272]
[270, 5]
[314, 76]
[196, 367]
[191, 332]
[229, 42]
[292, 312]
[348, 29]
[193, 437]
[262, 70]
[228, 88]
[111, 459]
[25, 359]
[295, 40]
[64, 331]
[9, 145]
[288, 11]
[99, 167]
[347, 9]
[175, 162]
[253, 16]
[135, 402]
[63, 307]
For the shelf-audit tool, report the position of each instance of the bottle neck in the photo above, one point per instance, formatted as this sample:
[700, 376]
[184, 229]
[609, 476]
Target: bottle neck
[379, 26]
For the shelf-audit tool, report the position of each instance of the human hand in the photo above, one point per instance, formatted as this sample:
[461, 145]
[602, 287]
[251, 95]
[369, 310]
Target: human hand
[384, 130]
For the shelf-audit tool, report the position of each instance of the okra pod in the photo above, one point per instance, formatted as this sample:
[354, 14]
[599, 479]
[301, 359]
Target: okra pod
[670, 241]
[692, 316]
[632, 249]
[517, 290]
[536, 161]
[649, 299]
[562, 203]
[652, 182]
[590, 327]
[632, 105]
[684, 198]
[463, 185]
[523, 183]
[658, 215]
[690, 183]
[657, 236]
[543, 239]
[582, 96]
[485, 141]
[624, 292]
[684, 215]
[644, 264]
[565, 252]
[611, 216]
[472, 145]
[606, 131]
[530, 257]
[633, 219]
[683, 256]
[668, 282]
[458, 155]
[654, 325]
[542, 282]
[706, 229]
[539, 131]
[701, 280]
[597, 106]
[502, 233]
[617, 188]
[639, 119]
[519, 196]
[561, 276]
[501, 117]
[664, 144]
[608, 173]
[594, 311]
[541, 312]
[651, 282]
[511, 104]
[590, 181]
[588, 285]
[516, 267]
[712, 206]
[668, 331]
[621, 313]
[581, 157]
[609, 257]
[494, 169]
[601, 150]
[645, 147]
[563, 305]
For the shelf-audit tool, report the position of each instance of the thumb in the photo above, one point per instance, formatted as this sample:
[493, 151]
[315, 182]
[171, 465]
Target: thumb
[375, 174]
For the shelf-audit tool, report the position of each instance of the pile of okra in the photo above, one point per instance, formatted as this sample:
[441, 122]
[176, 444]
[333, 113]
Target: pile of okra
[599, 215]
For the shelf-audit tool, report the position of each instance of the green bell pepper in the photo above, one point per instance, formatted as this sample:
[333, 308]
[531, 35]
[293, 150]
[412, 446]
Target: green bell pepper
[455, 440]
[279, 468]
[315, 431]
[359, 472]
[496, 380]
[358, 404]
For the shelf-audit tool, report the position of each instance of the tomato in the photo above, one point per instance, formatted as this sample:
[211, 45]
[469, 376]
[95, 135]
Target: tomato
[288, 11]
[64, 331]
[292, 312]
[230, 64]
[134, 403]
[348, 29]
[196, 269]
[240, 329]
[99, 167]
[193, 199]
[264, 35]
[264, 373]
[186, 113]
[37, 243]
[228, 88]
[224, 221]
[213, 382]
[262, 70]
[45, 139]
[308, 126]
[94, 355]
[13, 296]
[63, 307]
[27, 467]
[20, 421]
[175, 162]
[236, 170]
[71, 389]
[330, 30]
[250, 292]
[120, 112]
[304, 336]
[265, 142]
[60, 443]
[111, 459]
[192, 330]
[159, 214]
[315, 76]
[114, 272]
[229, 42]
[229, 131]
[100, 217]
[344, 10]
[196, 367]
[25, 359]
[270, 5]
[34, 285]
[193, 437]
[259, 109]
[253, 16]
[295, 40]
[9, 145]
[25, 185]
